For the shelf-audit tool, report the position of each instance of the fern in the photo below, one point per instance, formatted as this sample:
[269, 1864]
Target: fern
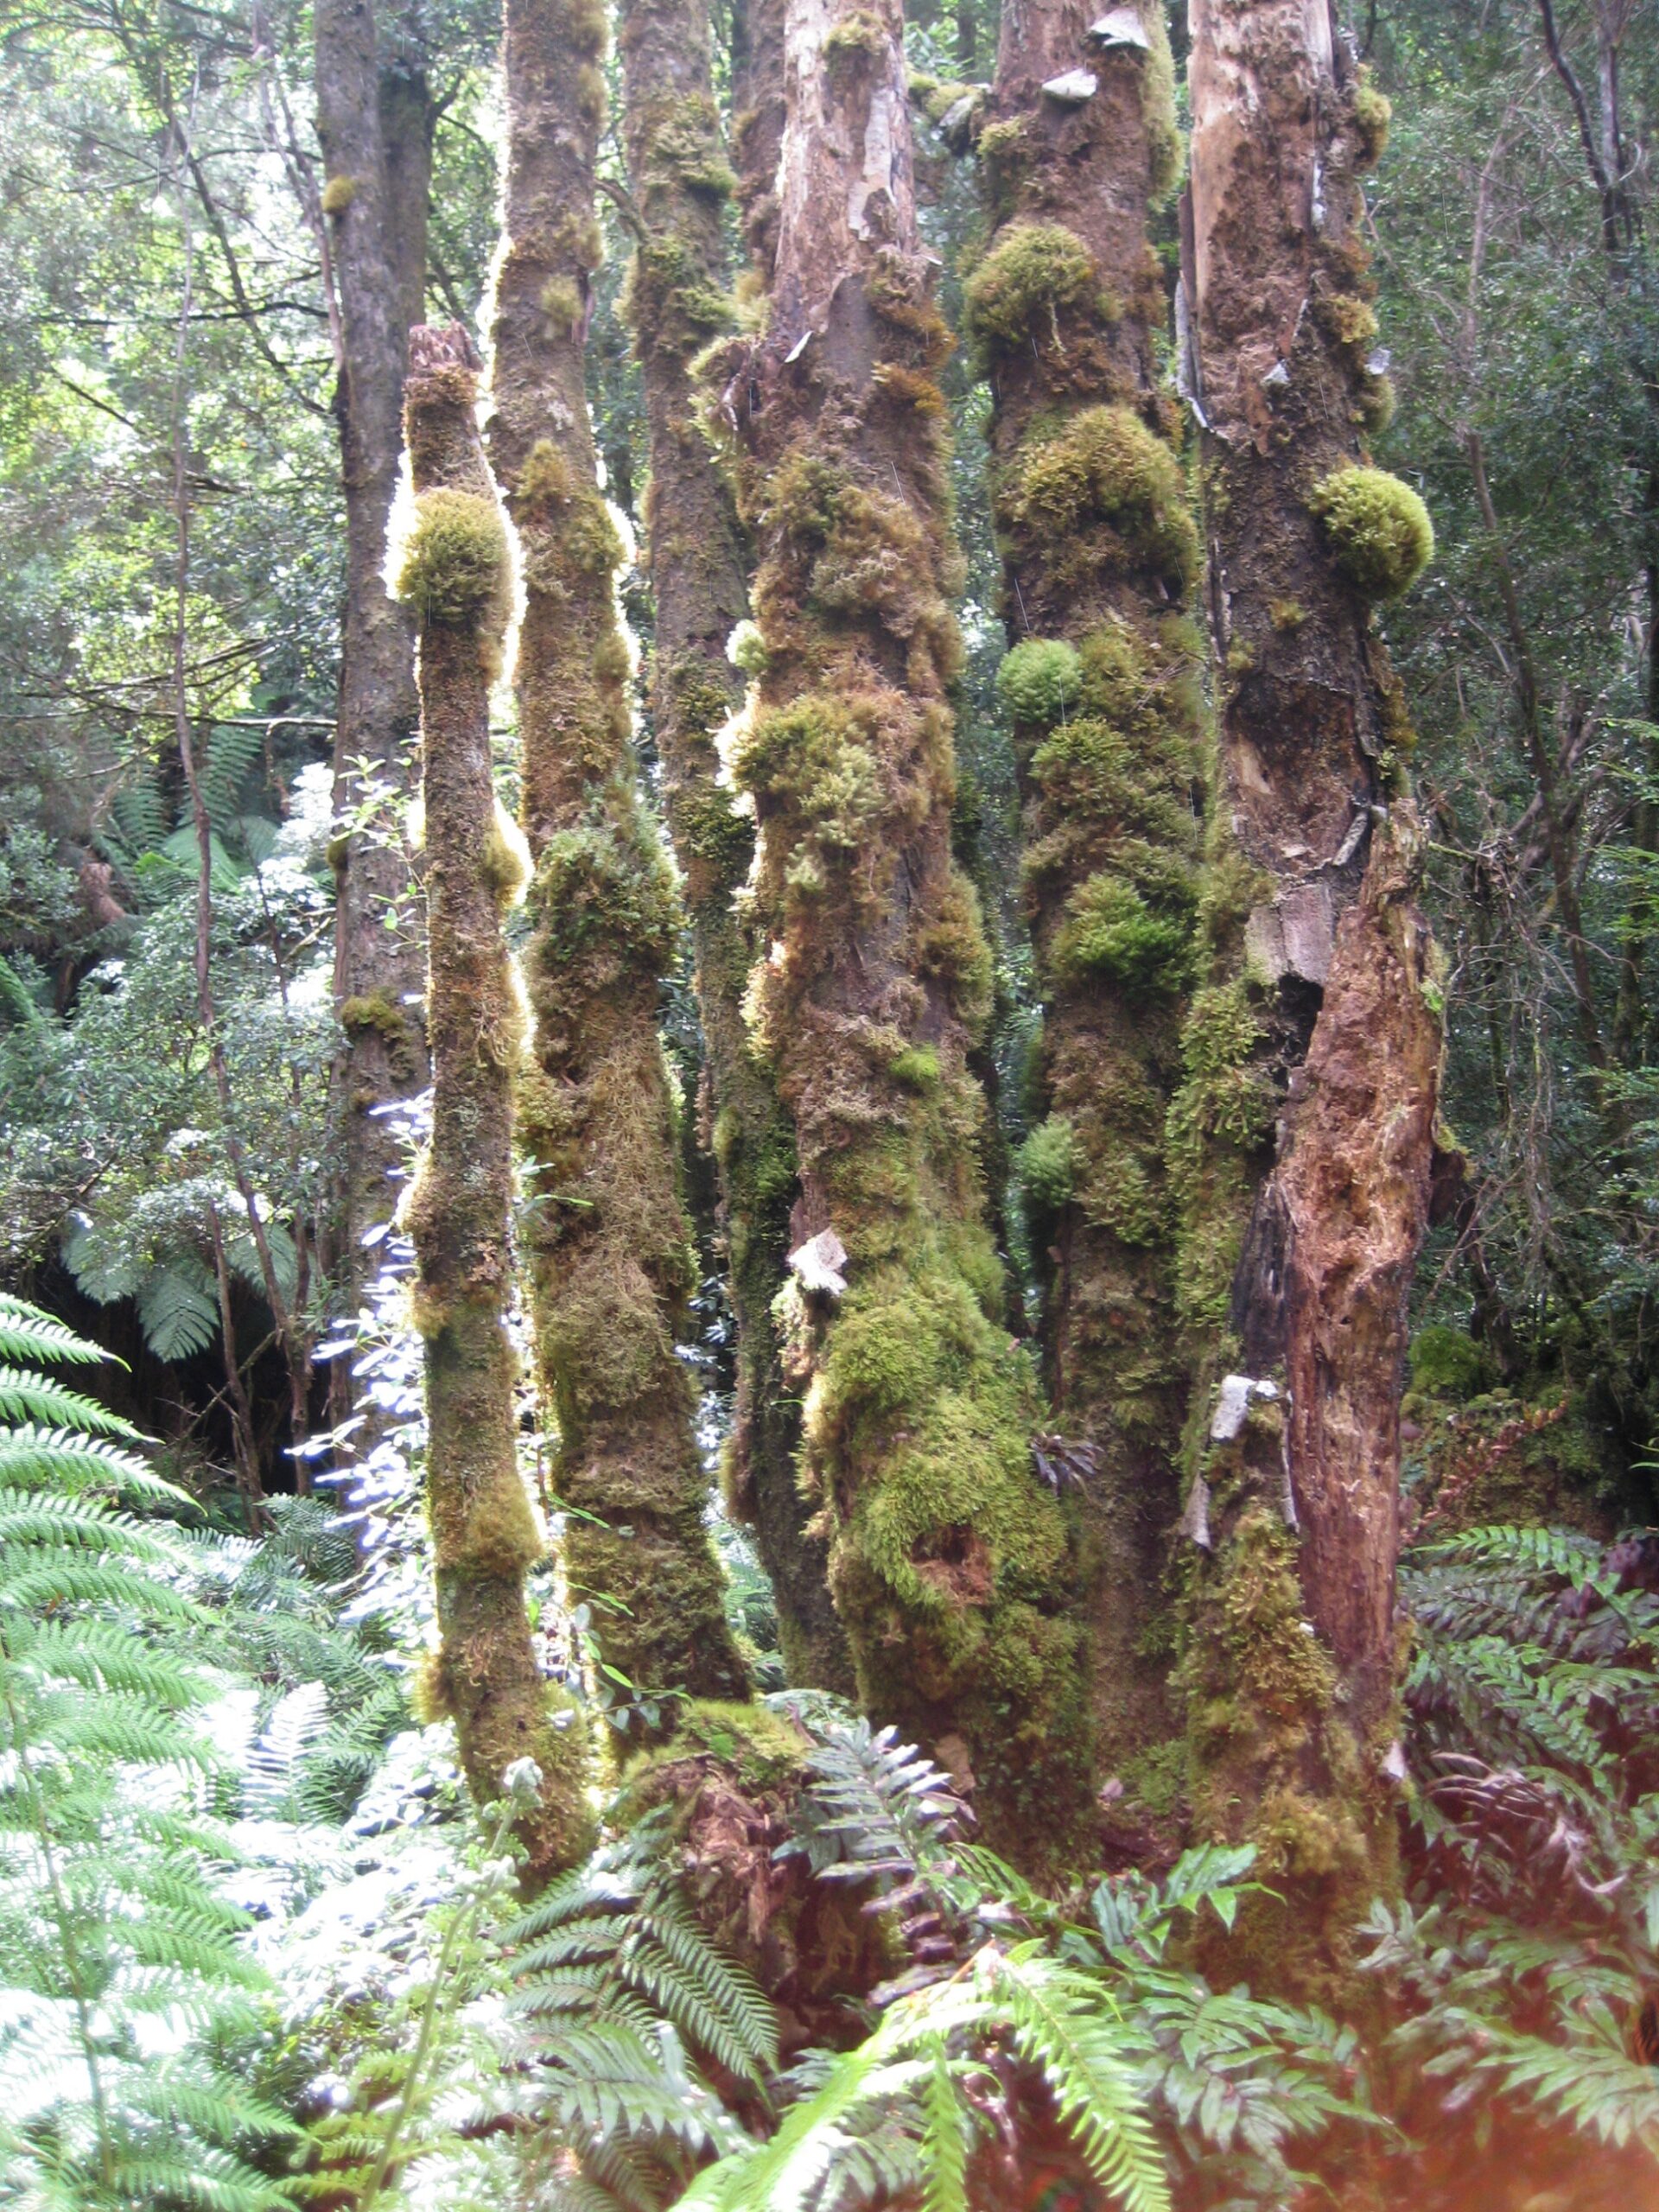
[109, 1876]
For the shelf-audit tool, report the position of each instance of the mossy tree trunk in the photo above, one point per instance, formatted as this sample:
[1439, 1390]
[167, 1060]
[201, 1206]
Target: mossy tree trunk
[375, 117]
[950, 1562]
[609, 1246]
[678, 302]
[1101, 686]
[484, 1530]
[1303, 1139]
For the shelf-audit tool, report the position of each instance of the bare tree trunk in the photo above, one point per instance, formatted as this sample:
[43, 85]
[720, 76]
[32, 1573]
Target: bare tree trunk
[375, 117]
[950, 1563]
[609, 1246]
[1302, 1141]
[677, 301]
[1102, 684]
[455, 577]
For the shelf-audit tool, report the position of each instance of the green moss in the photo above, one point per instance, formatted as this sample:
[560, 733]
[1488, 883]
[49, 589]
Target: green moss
[764, 1749]
[856, 38]
[1048, 1163]
[1040, 680]
[1167, 153]
[379, 1011]
[747, 649]
[917, 1067]
[1015, 295]
[1374, 403]
[600, 891]
[561, 303]
[1373, 112]
[1218, 1120]
[1378, 528]
[454, 566]
[505, 862]
[338, 194]
[1112, 933]
[1101, 495]
[1286, 614]
[1448, 1363]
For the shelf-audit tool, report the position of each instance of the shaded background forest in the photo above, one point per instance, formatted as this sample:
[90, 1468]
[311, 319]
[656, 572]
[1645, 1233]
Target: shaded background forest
[167, 396]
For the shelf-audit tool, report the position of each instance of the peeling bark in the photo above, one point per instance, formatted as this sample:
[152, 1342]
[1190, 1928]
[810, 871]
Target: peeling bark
[375, 117]
[486, 1532]
[609, 1246]
[677, 303]
[950, 1564]
[1303, 1140]
[1098, 554]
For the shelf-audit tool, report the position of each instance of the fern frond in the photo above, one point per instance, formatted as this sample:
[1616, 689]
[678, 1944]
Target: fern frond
[27, 1333]
[47, 1404]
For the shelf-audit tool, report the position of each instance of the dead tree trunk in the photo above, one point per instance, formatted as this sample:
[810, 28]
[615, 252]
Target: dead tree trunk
[375, 117]
[950, 1563]
[1302, 1141]
[611, 1259]
[678, 302]
[1101, 687]
[455, 578]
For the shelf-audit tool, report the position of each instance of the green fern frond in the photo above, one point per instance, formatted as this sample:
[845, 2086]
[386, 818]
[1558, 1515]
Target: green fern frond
[46, 1403]
[944, 2137]
[27, 1333]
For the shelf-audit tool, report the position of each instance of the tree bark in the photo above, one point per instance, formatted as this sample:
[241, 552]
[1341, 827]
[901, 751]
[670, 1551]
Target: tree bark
[375, 117]
[950, 1563]
[486, 1532]
[696, 558]
[1303, 1138]
[1103, 687]
[609, 1246]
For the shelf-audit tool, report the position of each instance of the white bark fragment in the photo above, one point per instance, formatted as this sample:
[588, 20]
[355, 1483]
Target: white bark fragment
[1119, 27]
[817, 1265]
[1072, 89]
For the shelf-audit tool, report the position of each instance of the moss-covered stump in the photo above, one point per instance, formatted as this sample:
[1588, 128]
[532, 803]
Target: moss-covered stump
[677, 302]
[1101, 686]
[734, 1776]
[608, 1244]
[951, 1563]
[454, 573]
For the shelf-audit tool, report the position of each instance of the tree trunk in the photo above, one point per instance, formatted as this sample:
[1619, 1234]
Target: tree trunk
[455, 577]
[609, 1246]
[950, 1563]
[677, 301]
[375, 117]
[1303, 1138]
[1101, 686]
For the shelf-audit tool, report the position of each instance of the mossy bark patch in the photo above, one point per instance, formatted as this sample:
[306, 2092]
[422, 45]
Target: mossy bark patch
[486, 1532]
[609, 1248]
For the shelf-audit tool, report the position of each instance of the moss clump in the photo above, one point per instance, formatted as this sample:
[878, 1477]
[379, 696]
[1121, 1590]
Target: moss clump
[1447, 1363]
[1040, 681]
[1373, 112]
[1286, 614]
[1110, 932]
[1018, 290]
[857, 37]
[505, 863]
[338, 194]
[1048, 1163]
[746, 649]
[1378, 528]
[1218, 1120]
[561, 303]
[375, 1010]
[1165, 151]
[454, 564]
[606, 895]
[764, 1749]
[1102, 496]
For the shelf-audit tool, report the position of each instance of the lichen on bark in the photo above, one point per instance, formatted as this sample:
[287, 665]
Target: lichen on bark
[1301, 1141]
[951, 1564]
[1102, 688]
[609, 1250]
[486, 1532]
[677, 301]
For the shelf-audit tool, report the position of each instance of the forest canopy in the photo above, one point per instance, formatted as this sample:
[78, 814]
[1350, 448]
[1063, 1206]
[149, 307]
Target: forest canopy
[828, 874]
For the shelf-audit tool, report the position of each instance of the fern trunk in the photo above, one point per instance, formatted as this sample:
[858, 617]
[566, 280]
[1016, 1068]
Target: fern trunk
[1303, 1136]
[951, 1565]
[609, 1246]
[678, 302]
[1101, 686]
[484, 1530]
